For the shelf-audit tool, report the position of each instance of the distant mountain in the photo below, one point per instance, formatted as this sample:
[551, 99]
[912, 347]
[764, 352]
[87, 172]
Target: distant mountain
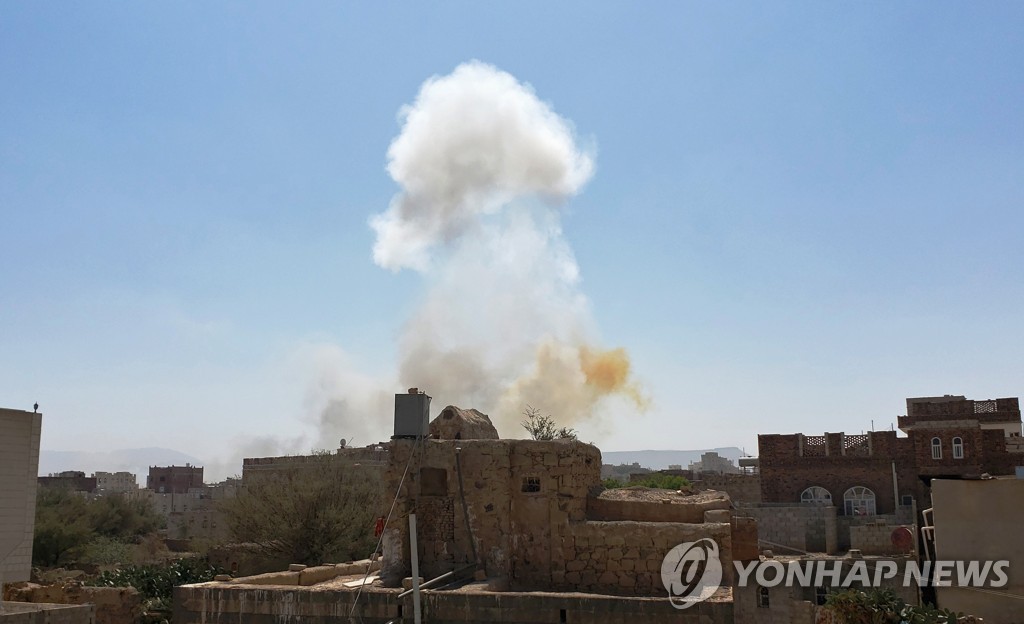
[136, 461]
[659, 460]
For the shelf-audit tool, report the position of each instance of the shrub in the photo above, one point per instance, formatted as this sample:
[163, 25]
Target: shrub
[156, 583]
[322, 510]
[882, 606]
[663, 482]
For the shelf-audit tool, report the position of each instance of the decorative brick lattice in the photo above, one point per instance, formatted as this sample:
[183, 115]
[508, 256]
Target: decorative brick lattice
[856, 445]
[813, 446]
[985, 407]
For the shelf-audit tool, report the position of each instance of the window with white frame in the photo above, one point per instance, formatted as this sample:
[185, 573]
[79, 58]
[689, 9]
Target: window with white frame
[958, 448]
[816, 494]
[859, 501]
[936, 448]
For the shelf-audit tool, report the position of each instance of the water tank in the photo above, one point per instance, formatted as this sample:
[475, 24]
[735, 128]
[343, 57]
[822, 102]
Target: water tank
[412, 414]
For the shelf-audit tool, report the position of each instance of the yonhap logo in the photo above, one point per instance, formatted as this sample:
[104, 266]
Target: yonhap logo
[691, 572]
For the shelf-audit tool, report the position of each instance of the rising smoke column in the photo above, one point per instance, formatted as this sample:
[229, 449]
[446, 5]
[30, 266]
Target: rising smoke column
[483, 166]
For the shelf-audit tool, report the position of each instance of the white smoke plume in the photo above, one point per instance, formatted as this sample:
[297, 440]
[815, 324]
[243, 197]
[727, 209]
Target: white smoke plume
[484, 166]
[471, 142]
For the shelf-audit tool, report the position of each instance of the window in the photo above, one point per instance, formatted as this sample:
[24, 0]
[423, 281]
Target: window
[958, 448]
[907, 500]
[763, 601]
[936, 448]
[816, 494]
[859, 501]
[531, 484]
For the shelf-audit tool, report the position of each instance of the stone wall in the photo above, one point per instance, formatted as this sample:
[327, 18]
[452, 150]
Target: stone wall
[876, 539]
[520, 494]
[213, 603]
[798, 528]
[528, 504]
[741, 488]
[904, 516]
[625, 557]
[114, 605]
[26, 613]
[373, 455]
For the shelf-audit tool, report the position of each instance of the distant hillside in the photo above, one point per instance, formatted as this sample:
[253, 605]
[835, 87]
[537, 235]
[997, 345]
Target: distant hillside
[136, 461]
[658, 460]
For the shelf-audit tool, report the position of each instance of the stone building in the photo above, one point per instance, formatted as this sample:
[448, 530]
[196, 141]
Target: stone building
[537, 520]
[19, 464]
[110, 482]
[525, 525]
[712, 462]
[174, 479]
[375, 455]
[193, 514]
[74, 480]
[878, 472]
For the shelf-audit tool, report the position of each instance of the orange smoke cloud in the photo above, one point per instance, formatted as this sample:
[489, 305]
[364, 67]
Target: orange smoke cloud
[570, 382]
[608, 372]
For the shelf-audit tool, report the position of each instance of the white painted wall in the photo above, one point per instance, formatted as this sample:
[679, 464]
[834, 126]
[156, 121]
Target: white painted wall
[19, 462]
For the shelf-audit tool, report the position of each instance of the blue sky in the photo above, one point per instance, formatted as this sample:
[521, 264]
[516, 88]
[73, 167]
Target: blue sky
[801, 213]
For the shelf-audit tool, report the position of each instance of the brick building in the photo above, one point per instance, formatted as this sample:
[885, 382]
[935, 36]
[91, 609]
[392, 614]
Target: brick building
[947, 437]
[174, 479]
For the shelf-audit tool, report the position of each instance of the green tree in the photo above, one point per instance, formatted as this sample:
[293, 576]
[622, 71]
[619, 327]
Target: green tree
[62, 525]
[321, 510]
[122, 518]
[542, 427]
[67, 523]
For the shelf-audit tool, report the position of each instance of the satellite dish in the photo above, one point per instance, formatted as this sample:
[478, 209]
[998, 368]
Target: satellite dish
[343, 441]
[902, 539]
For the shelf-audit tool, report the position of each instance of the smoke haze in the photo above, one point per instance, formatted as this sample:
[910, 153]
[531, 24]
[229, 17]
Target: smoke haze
[483, 167]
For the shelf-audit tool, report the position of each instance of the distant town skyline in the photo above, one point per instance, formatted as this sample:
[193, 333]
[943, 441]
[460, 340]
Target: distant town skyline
[798, 216]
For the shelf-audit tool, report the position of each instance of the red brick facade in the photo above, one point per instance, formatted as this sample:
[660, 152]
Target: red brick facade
[790, 464]
[174, 479]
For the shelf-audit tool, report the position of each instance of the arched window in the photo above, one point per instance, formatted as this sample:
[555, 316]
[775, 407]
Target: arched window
[816, 494]
[859, 501]
[936, 448]
[958, 448]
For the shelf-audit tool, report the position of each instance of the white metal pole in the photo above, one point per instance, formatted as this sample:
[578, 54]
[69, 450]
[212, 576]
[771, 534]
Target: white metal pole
[896, 491]
[417, 618]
